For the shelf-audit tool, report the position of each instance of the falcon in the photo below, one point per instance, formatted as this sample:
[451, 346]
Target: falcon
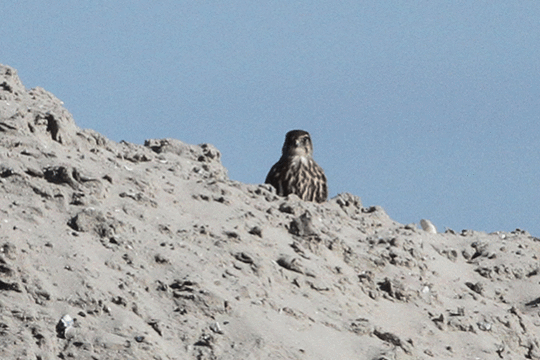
[296, 172]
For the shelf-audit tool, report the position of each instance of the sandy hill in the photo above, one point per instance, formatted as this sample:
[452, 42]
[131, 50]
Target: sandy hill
[121, 251]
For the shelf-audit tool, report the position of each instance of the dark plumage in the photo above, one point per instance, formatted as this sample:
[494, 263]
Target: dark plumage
[296, 172]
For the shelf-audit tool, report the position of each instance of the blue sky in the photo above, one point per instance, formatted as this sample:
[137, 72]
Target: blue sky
[429, 109]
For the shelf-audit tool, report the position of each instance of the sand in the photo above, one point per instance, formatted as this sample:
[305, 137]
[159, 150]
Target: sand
[122, 251]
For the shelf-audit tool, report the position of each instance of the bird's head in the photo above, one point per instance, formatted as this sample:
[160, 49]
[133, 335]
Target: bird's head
[297, 143]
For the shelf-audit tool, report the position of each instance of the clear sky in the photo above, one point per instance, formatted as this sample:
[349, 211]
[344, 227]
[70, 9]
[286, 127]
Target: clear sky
[429, 109]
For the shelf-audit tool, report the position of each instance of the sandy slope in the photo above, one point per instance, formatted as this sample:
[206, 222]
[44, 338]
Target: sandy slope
[155, 254]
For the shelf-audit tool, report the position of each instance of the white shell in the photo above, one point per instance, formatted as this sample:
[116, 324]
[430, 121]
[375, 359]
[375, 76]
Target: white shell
[428, 226]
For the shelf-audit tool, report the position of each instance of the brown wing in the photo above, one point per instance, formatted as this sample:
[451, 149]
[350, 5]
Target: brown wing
[319, 184]
[276, 178]
[314, 186]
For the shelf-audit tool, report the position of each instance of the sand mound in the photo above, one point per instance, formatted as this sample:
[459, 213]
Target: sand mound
[121, 251]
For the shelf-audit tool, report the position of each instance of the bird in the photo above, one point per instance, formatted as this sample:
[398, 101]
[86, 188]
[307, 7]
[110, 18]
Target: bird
[296, 172]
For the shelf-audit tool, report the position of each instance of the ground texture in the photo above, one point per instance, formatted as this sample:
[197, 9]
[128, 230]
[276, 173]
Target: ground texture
[121, 251]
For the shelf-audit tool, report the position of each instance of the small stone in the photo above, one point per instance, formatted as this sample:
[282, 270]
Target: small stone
[64, 325]
[484, 325]
[256, 231]
[216, 328]
[139, 339]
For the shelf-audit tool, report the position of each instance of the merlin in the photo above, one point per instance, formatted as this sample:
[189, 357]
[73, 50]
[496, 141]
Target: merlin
[296, 172]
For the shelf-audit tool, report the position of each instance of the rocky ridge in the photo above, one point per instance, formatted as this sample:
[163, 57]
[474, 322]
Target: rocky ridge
[116, 250]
